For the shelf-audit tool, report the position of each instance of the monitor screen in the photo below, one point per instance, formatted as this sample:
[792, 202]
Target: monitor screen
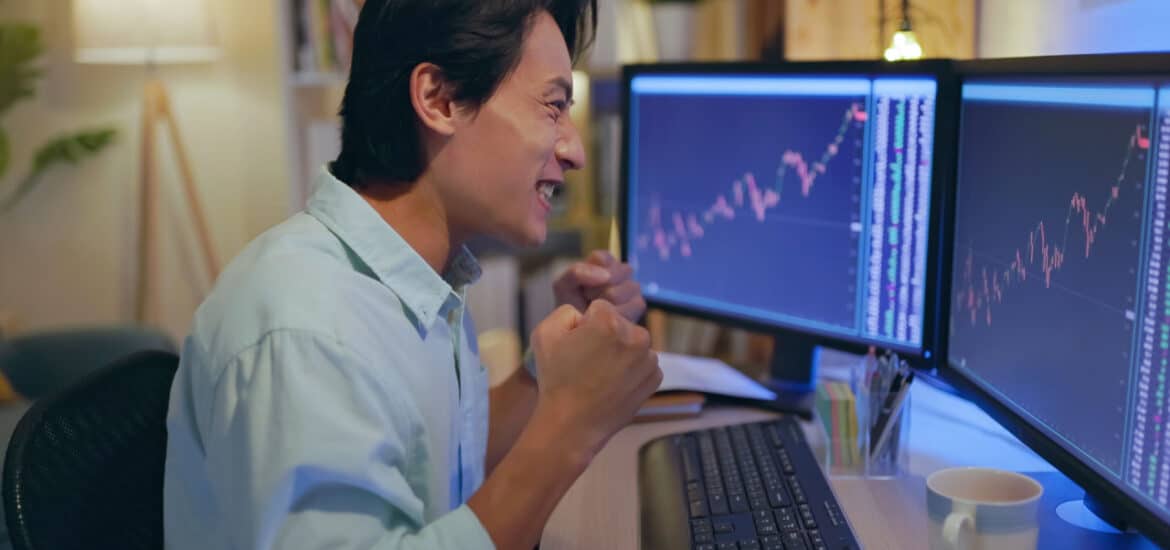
[796, 201]
[1061, 278]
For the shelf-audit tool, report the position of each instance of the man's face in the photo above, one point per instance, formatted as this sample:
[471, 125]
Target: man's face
[504, 160]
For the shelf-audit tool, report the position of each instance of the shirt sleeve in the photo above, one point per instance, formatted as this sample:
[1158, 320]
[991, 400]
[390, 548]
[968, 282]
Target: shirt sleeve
[306, 448]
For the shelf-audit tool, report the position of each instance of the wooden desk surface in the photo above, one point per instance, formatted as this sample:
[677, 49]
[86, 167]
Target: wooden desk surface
[600, 511]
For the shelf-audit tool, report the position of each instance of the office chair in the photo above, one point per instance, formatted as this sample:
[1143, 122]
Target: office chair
[85, 466]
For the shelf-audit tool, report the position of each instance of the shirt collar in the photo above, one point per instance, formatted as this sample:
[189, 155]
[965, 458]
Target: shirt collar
[393, 261]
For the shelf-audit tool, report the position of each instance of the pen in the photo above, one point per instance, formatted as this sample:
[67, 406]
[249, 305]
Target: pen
[894, 400]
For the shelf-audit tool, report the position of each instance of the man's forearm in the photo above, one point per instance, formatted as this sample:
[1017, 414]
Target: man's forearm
[518, 497]
[511, 404]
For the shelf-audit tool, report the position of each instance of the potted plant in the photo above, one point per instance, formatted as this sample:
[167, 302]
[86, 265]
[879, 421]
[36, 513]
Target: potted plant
[20, 46]
[674, 25]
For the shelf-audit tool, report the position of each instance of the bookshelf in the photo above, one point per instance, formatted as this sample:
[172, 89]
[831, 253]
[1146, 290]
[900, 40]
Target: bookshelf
[313, 81]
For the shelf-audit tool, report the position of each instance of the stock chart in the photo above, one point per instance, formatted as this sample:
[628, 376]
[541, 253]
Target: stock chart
[759, 183]
[807, 209]
[1048, 250]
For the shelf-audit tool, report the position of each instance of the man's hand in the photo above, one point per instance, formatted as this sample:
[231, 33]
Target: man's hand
[601, 277]
[596, 369]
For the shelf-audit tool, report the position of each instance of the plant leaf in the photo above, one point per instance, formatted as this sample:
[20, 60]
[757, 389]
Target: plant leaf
[20, 45]
[72, 148]
[69, 148]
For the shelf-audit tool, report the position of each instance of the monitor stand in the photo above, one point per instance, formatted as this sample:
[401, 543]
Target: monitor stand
[793, 373]
[1107, 520]
[1067, 522]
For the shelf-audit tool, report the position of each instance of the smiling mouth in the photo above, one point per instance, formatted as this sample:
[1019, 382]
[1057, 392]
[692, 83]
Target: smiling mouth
[548, 189]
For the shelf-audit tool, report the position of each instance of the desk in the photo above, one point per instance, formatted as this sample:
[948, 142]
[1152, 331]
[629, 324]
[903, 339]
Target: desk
[600, 511]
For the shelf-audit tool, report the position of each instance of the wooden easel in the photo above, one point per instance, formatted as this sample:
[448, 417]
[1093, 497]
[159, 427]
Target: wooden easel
[157, 107]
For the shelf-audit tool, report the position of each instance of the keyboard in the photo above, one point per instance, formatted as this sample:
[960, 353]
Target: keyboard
[743, 487]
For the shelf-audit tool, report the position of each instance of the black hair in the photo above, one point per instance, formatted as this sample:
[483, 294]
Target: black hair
[476, 44]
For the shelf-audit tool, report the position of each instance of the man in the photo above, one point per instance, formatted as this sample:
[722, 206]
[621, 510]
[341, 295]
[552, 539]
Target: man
[329, 395]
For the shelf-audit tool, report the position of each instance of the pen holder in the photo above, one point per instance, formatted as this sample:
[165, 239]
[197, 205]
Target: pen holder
[866, 425]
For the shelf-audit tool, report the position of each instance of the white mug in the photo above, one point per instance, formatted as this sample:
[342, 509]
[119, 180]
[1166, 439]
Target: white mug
[982, 509]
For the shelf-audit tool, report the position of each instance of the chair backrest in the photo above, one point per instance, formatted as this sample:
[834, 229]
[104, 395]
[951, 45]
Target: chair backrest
[44, 362]
[84, 468]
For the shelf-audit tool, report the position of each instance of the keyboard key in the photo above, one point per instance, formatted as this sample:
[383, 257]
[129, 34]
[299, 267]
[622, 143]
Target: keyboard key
[690, 461]
[814, 537]
[705, 547]
[723, 526]
[749, 545]
[776, 498]
[774, 435]
[698, 508]
[728, 546]
[705, 539]
[794, 541]
[766, 525]
[737, 503]
[718, 505]
[701, 526]
[834, 514]
[786, 520]
[807, 517]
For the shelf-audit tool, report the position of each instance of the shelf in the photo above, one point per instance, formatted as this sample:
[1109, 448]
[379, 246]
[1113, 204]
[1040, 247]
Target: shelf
[317, 79]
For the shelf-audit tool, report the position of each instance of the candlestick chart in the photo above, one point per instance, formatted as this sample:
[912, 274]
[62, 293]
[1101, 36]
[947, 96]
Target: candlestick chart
[1048, 250]
[764, 184]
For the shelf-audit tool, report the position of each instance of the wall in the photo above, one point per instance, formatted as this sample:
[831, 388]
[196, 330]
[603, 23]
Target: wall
[1053, 27]
[856, 29]
[67, 253]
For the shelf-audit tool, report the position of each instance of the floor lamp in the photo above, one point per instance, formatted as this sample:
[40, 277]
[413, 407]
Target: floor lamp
[151, 33]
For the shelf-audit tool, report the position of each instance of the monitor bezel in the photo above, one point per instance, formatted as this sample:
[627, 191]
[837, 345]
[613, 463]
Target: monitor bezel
[946, 112]
[1098, 486]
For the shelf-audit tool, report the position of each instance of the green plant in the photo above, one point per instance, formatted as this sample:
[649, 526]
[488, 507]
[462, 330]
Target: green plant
[20, 46]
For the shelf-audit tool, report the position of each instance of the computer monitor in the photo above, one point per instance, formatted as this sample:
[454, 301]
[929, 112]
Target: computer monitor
[1060, 313]
[800, 198]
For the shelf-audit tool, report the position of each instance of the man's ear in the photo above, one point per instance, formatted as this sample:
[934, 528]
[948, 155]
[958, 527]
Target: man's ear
[431, 96]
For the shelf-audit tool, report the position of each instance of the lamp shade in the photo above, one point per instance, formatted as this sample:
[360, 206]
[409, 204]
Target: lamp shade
[144, 31]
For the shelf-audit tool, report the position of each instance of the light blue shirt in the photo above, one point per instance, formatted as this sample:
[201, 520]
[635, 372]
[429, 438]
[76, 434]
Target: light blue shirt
[330, 395]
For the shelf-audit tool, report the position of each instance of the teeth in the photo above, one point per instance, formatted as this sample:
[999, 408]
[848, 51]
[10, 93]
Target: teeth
[547, 189]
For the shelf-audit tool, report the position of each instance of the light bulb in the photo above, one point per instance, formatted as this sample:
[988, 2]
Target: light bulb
[904, 46]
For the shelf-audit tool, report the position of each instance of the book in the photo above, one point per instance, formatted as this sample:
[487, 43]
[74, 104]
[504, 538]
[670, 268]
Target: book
[324, 33]
[670, 406]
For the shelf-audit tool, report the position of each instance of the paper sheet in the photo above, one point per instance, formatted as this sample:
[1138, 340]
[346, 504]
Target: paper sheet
[702, 374]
